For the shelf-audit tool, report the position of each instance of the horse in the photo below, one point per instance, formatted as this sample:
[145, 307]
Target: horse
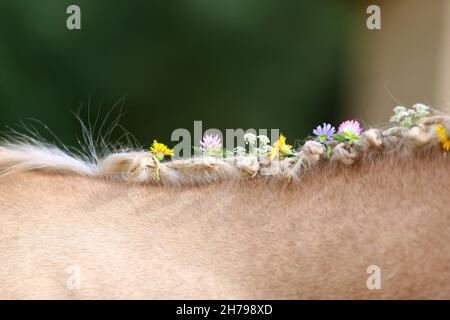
[371, 221]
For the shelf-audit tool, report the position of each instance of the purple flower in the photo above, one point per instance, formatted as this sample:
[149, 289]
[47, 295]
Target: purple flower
[350, 127]
[211, 144]
[350, 130]
[324, 133]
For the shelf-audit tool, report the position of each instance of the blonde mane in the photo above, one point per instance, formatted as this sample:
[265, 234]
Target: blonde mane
[28, 154]
[242, 227]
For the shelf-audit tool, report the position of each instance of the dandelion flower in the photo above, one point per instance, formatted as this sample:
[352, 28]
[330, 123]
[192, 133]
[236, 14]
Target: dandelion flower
[280, 147]
[211, 145]
[160, 150]
[324, 133]
[441, 134]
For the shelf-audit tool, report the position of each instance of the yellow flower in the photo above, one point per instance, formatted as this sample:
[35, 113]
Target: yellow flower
[280, 147]
[441, 134]
[160, 150]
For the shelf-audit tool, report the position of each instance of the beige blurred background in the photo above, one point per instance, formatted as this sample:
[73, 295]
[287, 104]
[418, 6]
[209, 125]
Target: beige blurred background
[405, 62]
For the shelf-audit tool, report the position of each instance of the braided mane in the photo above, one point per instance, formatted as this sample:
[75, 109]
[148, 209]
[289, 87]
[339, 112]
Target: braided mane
[140, 166]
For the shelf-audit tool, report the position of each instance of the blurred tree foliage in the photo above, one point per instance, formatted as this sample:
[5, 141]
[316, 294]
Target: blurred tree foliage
[231, 63]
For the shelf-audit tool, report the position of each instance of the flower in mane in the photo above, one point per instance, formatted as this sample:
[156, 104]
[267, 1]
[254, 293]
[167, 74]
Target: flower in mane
[160, 150]
[349, 131]
[441, 134]
[350, 127]
[250, 138]
[408, 117]
[263, 140]
[240, 151]
[264, 146]
[252, 141]
[280, 148]
[324, 133]
[211, 145]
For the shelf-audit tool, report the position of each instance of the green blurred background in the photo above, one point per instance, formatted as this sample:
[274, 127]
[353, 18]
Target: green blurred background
[230, 63]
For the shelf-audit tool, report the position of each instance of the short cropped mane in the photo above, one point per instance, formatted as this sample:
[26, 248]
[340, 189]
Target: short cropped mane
[138, 166]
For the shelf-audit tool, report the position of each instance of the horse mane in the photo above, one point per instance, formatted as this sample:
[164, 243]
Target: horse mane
[19, 153]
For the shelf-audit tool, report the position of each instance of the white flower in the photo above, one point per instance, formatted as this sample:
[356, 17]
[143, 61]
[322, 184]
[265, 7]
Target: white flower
[263, 140]
[421, 110]
[263, 150]
[240, 151]
[400, 112]
[408, 117]
[399, 109]
[250, 138]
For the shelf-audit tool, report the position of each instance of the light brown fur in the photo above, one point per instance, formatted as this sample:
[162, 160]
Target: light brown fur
[232, 240]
